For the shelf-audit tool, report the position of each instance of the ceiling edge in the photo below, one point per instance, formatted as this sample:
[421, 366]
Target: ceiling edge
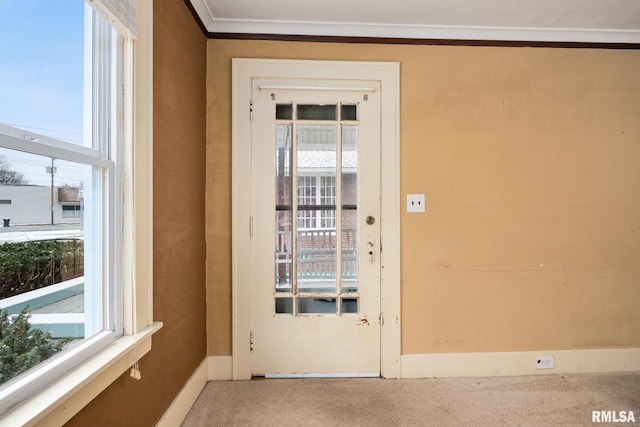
[391, 31]
[203, 12]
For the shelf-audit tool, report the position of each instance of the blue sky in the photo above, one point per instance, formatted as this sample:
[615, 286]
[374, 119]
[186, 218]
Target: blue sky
[41, 71]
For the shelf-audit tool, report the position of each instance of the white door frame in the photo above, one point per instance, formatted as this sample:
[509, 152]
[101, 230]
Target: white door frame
[388, 73]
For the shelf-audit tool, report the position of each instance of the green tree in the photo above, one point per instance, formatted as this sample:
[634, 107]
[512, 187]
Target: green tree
[23, 347]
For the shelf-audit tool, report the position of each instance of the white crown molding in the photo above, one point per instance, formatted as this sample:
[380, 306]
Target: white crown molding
[311, 28]
[204, 12]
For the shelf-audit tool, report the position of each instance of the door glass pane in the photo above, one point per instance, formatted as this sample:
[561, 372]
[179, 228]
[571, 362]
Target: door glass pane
[284, 247]
[349, 252]
[349, 305]
[316, 306]
[317, 112]
[349, 209]
[317, 260]
[283, 165]
[348, 112]
[284, 305]
[284, 219]
[284, 112]
[316, 235]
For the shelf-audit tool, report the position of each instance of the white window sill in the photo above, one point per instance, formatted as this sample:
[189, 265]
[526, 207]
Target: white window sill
[58, 402]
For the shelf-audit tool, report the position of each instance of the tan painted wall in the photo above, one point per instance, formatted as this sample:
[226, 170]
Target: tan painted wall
[530, 161]
[178, 227]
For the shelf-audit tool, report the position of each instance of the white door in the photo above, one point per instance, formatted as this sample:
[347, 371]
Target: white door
[315, 247]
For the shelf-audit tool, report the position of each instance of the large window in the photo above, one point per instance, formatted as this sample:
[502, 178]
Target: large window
[65, 121]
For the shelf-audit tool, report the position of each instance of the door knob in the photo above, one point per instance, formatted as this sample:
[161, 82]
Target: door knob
[370, 220]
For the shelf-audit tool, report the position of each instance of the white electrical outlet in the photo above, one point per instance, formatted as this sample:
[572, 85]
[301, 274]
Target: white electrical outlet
[415, 203]
[544, 362]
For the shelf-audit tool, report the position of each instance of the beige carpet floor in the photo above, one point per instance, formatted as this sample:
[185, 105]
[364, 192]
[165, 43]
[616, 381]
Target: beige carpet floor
[549, 400]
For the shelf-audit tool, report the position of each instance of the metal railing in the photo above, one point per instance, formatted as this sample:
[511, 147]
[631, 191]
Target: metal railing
[317, 251]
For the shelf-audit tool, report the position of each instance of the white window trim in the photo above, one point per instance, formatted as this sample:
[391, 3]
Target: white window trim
[121, 14]
[60, 400]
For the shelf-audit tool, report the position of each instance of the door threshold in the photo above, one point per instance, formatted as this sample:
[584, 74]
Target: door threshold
[320, 375]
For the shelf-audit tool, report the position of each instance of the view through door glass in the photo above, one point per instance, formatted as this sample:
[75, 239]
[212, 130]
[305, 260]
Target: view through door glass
[316, 254]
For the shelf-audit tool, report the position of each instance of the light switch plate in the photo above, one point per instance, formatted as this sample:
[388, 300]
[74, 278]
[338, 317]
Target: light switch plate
[415, 203]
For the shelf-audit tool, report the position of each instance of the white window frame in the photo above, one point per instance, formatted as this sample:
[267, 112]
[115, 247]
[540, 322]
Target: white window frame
[104, 357]
[316, 217]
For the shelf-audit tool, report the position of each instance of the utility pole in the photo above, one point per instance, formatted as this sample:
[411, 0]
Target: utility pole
[51, 169]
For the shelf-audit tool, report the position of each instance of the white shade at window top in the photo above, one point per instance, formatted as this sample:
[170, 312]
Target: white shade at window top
[121, 14]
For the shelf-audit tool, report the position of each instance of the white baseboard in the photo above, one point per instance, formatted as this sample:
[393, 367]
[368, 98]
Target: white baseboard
[518, 363]
[177, 412]
[211, 368]
[220, 368]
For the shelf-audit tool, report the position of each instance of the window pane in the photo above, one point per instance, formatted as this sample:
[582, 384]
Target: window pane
[40, 189]
[50, 253]
[42, 53]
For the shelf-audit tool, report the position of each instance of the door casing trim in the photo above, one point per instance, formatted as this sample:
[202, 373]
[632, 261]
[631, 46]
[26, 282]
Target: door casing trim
[388, 73]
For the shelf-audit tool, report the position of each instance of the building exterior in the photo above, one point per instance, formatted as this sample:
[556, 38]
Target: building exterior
[32, 205]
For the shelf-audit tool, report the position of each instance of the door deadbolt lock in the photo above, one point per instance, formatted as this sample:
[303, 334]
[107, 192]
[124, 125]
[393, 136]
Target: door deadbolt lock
[370, 220]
